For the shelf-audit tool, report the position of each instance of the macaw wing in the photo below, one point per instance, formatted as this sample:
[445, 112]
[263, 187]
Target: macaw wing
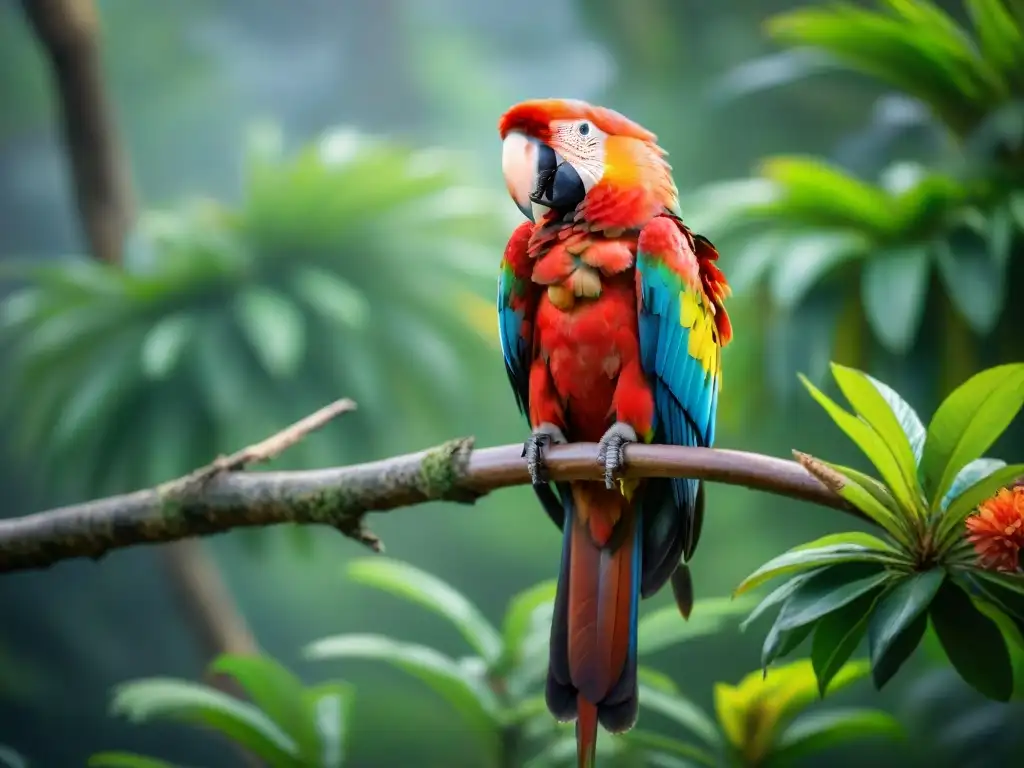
[681, 355]
[518, 297]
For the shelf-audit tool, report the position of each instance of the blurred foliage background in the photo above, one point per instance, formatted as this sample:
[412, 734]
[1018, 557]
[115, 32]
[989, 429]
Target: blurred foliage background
[323, 216]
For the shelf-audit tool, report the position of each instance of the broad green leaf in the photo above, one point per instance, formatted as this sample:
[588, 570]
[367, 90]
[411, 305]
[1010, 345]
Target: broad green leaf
[277, 692]
[907, 417]
[826, 195]
[807, 259]
[810, 556]
[333, 297]
[1002, 40]
[118, 760]
[519, 618]
[973, 643]
[664, 627]
[870, 442]
[828, 591]
[817, 731]
[331, 707]
[468, 694]
[965, 500]
[877, 410]
[163, 346]
[898, 622]
[893, 291]
[655, 742]
[779, 643]
[967, 423]
[776, 597]
[974, 281]
[274, 328]
[837, 636]
[166, 698]
[977, 470]
[416, 585]
[657, 681]
[682, 712]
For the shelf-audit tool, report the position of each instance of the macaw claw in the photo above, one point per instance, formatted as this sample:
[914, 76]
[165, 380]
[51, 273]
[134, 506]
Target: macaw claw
[533, 450]
[611, 453]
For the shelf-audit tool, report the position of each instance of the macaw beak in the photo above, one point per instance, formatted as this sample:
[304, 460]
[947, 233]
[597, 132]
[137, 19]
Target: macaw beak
[538, 178]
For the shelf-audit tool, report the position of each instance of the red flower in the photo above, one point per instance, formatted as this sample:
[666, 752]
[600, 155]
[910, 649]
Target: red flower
[997, 530]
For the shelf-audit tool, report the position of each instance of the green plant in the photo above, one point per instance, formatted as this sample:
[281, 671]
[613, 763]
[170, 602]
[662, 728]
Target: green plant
[848, 585]
[347, 269]
[832, 251]
[285, 724]
[760, 722]
[495, 690]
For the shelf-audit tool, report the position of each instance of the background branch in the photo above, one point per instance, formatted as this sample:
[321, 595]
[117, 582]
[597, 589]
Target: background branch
[69, 33]
[216, 499]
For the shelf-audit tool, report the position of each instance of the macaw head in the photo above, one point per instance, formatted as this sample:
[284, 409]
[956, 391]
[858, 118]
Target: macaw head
[556, 151]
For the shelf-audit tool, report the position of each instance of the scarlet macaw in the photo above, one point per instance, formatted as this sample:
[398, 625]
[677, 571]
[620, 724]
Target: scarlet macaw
[612, 324]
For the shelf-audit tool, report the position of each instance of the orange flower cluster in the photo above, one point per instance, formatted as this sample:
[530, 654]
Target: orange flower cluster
[997, 530]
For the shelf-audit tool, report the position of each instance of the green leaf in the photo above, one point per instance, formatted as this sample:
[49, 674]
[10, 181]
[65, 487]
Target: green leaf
[907, 417]
[837, 636]
[973, 643]
[814, 732]
[166, 698]
[682, 712]
[664, 627]
[118, 760]
[967, 423]
[274, 328]
[893, 291]
[333, 297]
[779, 595]
[873, 499]
[519, 620]
[467, 693]
[779, 643]
[962, 502]
[655, 742]
[163, 345]
[420, 587]
[277, 692]
[872, 406]
[1001, 38]
[331, 705]
[828, 591]
[870, 442]
[817, 193]
[975, 283]
[808, 258]
[816, 555]
[898, 622]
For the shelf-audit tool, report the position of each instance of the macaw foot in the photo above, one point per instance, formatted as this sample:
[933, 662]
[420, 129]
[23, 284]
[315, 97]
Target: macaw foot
[533, 450]
[611, 454]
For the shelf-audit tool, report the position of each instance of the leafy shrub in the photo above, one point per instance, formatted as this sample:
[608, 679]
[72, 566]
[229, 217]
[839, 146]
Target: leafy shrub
[496, 690]
[345, 270]
[848, 585]
[284, 724]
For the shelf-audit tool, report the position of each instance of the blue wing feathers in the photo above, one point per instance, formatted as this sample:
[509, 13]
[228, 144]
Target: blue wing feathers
[685, 400]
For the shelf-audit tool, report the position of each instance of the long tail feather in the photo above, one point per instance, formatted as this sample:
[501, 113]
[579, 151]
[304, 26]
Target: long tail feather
[592, 668]
[586, 734]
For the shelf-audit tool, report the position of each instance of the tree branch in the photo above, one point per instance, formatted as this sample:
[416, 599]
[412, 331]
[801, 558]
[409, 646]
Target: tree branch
[216, 498]
[69, 33]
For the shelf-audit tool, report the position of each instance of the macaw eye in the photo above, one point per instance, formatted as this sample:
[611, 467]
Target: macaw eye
[584, 128]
